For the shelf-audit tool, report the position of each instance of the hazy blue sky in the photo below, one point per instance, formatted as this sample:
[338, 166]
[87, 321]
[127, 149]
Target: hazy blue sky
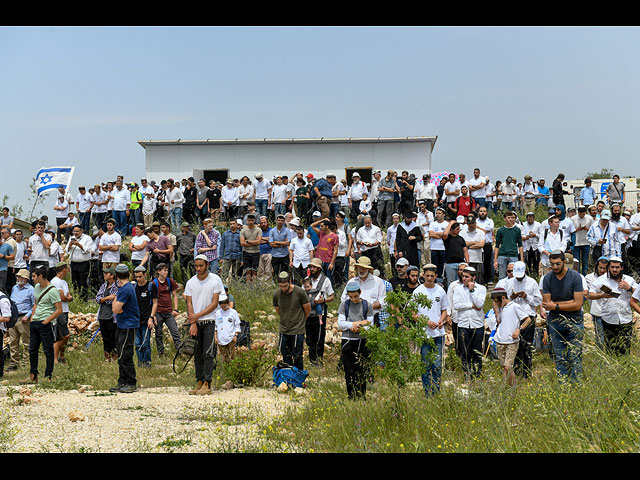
[510, 100]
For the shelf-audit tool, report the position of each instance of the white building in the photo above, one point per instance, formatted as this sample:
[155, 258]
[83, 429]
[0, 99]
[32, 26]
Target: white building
[221, 159]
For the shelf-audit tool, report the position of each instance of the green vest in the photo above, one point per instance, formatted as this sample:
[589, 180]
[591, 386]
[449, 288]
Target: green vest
[135, 196]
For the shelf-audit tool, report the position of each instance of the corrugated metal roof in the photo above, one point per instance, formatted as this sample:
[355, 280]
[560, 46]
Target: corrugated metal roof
[237, 141]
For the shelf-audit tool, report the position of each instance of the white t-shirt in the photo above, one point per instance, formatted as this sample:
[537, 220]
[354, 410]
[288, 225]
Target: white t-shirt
[262, 189]
[301, 248]
[5, 311]
[38, 252]
[84, 202]
[439, 302]
[475, 182]
[487, 225]
[109, 256]
[99, 198]
[278, 194]
[227, 325]
[616, 311]
[437, 227]
[137, 241]
[201, 293]
[475, 254]
[121, 198]
[62, 213]
[510, 317]
[450, 189]
[61, 284]
[54, 253]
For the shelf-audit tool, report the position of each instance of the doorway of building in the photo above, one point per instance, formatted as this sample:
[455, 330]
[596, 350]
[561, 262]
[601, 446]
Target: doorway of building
[216, 175]
[366, 174]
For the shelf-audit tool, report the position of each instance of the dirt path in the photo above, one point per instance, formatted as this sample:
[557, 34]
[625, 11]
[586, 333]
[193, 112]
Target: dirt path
[149, 420]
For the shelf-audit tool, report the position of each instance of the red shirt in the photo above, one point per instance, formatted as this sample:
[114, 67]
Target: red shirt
[326, 244]
[163, 294]
[465, 205]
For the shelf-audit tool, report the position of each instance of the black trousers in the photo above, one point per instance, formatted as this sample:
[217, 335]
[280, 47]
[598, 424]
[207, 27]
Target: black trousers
[617, 338]
[291, 348]
[2, 353]
[338, 272]
[108, 330]
[487, 267]
[523, 364]
[204, 357]
[315, 336]
[355, 360]
[532, 258]
[471, 350]
[279, 264]
[80, 277]
[377, 260]
[41, 334]
[126, 346]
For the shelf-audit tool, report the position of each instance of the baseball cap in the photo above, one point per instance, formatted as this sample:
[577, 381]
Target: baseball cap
[519, 269]
[606, 215]
[355, 174]
[258, 176]
[184, 224]
[460, 219]
[402, 261]
[295, 222]
[317, 214]
[309, 175]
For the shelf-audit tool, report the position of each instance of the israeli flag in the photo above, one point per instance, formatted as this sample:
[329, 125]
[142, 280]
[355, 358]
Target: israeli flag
[53, 177]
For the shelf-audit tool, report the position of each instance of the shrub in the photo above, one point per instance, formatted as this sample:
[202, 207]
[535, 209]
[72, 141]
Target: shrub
[249, 367]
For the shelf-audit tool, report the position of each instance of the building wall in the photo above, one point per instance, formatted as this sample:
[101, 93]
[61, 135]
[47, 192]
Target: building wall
[180, 161]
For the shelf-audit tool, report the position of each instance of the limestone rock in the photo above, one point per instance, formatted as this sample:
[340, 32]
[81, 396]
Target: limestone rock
[76, 416]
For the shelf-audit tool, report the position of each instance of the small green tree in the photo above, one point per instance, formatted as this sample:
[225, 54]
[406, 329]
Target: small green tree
[394, 349]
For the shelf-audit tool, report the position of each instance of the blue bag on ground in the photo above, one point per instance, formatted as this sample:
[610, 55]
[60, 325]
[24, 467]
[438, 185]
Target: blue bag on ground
[290, 375]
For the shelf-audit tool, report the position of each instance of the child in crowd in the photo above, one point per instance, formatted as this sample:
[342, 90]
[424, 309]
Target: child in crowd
[227, 330]
[306, 283]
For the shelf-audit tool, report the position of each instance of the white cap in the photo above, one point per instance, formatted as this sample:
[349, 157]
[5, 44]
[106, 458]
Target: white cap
[239, 221]
[317, 214]
[295, 222]
[355, 174]
[460, 219]
[519, 269]
[402, 261]
[606, 215]
[258, 175]
[615, 259]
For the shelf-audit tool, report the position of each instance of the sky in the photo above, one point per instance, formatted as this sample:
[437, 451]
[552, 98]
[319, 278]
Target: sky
[509, 100]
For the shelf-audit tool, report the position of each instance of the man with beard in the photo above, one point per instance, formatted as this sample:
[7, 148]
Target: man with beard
[486, 225]
[595, 300]
[408, 236]
[371, 287]
[400, 278]
[413, 279]
[531, 231]
[368, 240]
[474, 239]
[615, 289]
[79, 249]
[316, 327]
[621, 225]
[391, 239]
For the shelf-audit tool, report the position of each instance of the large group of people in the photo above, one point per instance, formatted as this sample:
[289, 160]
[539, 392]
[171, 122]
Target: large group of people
[133, 246]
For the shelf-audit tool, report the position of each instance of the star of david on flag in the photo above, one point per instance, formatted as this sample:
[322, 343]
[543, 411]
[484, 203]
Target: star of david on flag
[52, 178]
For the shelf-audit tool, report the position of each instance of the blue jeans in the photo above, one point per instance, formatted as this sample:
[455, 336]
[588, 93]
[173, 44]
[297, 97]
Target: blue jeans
[502, 265]
[176, 217]
[450, 273]
[84, 218]
[482, 202]
[143, 345]
[506, 205]
[120, 216]
[261, 207]
[279, 209]
[327, 271]
[582, 254]
[214, 265]
[432, 357]
[599, 332]
[566, 335]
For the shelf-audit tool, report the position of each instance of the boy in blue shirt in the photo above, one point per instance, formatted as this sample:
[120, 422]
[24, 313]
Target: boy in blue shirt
[127, 314]
[587, 194]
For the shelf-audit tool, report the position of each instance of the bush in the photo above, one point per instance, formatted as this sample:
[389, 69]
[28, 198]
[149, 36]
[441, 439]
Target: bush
[249, 367]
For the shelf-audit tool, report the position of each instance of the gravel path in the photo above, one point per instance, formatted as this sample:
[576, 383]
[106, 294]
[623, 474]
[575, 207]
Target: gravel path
[149, 420]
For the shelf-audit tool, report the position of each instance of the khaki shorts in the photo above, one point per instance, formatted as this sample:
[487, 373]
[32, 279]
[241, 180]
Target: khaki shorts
[507, 353]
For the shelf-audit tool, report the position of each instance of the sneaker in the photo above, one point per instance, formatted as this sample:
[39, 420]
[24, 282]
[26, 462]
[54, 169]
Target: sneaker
[116, 389]
[128, 389]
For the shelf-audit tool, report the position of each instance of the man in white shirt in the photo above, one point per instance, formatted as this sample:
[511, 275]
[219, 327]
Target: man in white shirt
[121, 202]
[582, 223]
[61, 327]
[358, 187]
[174, 199]
[99, 202]
[279, 197]
[368, 241]
[38, 247]
[436, 232]
[596, 299]
[550, 240]
[478, 188]
[371, 287]
[262, 195]
[79, 249]
[83, 206]
[475, 239]
[615, 289]
[451, 190]
[230, 200]
[468, 301]
[436, 314]
[62, 211]
[300, 252]
[486, 225]
[509, 191]
[427, 191]
[424, 219]
[391, 239]
[531, 232]
[109, 244]
[245, 195]
[529, 192]
[525, 292]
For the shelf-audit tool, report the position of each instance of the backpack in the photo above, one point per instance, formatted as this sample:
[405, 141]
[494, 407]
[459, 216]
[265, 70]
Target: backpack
[283, 372]
[365, 308]
[13, 319]
[157, 284]
[546, 231]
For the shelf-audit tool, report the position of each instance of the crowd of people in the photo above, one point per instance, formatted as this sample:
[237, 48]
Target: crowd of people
[132, 247]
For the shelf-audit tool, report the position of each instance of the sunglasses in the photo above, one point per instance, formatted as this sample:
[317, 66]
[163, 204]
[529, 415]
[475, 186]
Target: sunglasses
[509, 271]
